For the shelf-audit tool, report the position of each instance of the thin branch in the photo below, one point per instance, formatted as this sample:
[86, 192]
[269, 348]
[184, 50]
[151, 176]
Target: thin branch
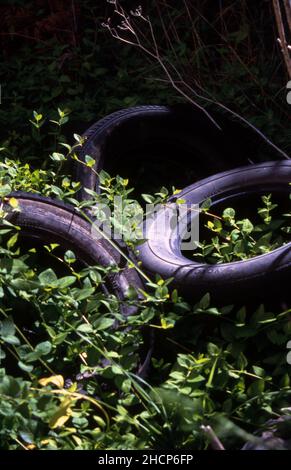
[282, 37]
[153, 54]
[24, 36]
[214, 441]
[180, 84]
[75, 27]
[287, 5]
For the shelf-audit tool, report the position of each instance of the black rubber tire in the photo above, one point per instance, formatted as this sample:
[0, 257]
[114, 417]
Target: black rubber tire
[228, 281]
[52, 221]
[129, 141]
[133, 141]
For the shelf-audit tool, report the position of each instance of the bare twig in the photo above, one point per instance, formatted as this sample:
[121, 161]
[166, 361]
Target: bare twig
[287, 6]
[26, 36]
[214, 441]
[74, 22]
[128, 26]
[129, 33]
[282, 36]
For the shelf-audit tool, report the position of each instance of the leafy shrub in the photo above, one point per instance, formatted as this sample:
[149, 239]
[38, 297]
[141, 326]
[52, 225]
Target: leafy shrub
[242, 239]
[70, 359]
[68, 379]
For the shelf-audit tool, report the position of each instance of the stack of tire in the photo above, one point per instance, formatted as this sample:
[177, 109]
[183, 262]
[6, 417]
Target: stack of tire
[185, 142]
[224, 163]
[181, 138]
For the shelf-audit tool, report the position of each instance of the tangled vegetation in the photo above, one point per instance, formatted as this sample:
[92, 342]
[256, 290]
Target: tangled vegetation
[70, 377]
[238, 239]
[69, 359]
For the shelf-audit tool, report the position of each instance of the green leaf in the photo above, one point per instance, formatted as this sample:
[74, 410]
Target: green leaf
[25, 367]
[60, 338]
[7, 327]
[11, 242]
[24, 284]
[131, 293]
[204, 302]
[99, 421]
[261, 317]
[69, 257]
[206, 204]
[2, 354]
[174, 296]
[5, 189]
[285, 381]
[81, 294]
[78, 138]
[241, 317]
[148, 198]
[246, 226]
[64, 282]
[256, 388]
[43, 348]
[259, 371]
[229, 214]
[103, 323]
[37, 116]
[27, 436]
[47, 277]
[178, 376]
[213, 349]
[58, 157]
[90, 162]
[85, 328]
[11, 340]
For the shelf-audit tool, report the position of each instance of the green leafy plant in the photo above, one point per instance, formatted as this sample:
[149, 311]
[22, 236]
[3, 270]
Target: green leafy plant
[68, 377]
[239, 239]
[70, 359]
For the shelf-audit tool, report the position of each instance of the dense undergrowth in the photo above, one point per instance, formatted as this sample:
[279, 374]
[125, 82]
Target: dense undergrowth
[68, 379]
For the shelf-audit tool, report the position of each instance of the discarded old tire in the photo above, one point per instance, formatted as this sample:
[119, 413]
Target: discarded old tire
[52, 221]
[145, 142]
[229, 281]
